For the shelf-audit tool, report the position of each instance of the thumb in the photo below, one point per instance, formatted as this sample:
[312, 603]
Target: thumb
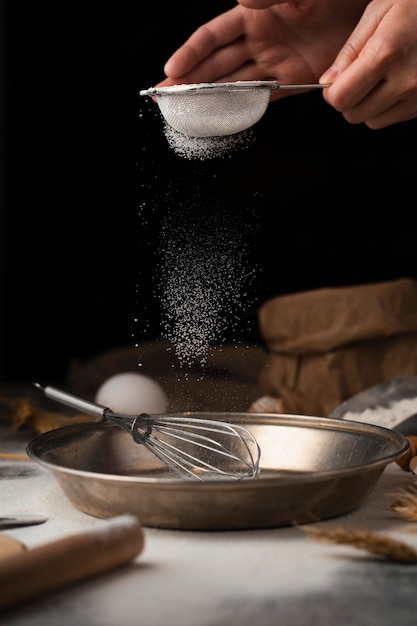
[350, 51]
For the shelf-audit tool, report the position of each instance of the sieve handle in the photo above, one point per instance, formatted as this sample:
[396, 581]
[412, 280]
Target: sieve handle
[306, 86]
[85, 406]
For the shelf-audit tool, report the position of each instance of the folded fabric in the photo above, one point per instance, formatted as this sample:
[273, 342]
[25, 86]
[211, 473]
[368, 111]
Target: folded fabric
[326, 345]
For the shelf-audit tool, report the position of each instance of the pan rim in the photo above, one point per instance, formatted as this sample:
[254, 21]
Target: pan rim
[39, 445]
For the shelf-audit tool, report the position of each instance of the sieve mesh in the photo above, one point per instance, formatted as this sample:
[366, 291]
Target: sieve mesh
[209, 114]
[213, 109]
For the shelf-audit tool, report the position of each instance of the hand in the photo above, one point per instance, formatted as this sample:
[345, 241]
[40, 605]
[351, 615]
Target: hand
[374, 75]
[292, 42]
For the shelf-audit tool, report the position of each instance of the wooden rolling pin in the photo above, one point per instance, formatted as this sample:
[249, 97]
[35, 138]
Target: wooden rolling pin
[9, 546]
[48, 567]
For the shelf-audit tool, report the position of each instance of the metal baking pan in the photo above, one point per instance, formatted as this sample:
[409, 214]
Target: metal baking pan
[311, 468]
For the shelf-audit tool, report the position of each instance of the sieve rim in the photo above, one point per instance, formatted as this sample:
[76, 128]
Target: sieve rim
[193, 87]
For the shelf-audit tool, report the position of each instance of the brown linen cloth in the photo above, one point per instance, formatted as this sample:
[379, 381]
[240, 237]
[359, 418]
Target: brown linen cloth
[326, 345]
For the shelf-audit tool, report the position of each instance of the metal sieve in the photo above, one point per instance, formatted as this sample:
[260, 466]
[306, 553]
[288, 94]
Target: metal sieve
[216, 109]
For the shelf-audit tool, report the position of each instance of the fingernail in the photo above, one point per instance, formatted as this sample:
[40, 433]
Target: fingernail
[329, 75]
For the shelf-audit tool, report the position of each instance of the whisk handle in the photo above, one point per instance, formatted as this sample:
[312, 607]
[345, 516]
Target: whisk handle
[85, 406]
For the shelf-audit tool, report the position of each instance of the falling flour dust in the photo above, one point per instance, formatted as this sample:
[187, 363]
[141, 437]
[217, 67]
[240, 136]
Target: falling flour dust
[206, 147]
[203, 272]
[204, 280]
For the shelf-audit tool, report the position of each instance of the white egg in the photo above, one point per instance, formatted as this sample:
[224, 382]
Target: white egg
[132, 393]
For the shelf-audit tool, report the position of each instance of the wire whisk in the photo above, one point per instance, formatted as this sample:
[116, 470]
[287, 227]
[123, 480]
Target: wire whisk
[196, 448]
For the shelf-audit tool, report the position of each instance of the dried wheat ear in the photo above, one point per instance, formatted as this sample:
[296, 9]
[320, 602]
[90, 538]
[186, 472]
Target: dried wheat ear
[380, 545]
[405, 503]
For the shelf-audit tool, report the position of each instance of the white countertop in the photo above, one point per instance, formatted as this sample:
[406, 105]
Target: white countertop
[262, 577]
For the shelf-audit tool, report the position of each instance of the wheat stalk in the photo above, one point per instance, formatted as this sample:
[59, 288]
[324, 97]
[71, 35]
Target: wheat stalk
[390, 549]
[406, 503]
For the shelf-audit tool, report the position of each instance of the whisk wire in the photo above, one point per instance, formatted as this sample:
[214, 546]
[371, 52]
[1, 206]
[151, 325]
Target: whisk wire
[194, 447]
[173, 459]
[177, 460]
[161, 435]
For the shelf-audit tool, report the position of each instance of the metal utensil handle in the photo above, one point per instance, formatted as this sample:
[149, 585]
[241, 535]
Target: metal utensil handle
[306, 86]
[85, 406]
[22, 519]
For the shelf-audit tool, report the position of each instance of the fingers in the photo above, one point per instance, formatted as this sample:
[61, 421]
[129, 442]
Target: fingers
[373, 82]
[377, 103]
[383, 108]
[227, 63]
[260, 4]
[400, 112]
[212, 36]
[352, 85]
[355, 72]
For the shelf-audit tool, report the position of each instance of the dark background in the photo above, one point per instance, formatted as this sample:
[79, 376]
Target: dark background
[89, 177]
